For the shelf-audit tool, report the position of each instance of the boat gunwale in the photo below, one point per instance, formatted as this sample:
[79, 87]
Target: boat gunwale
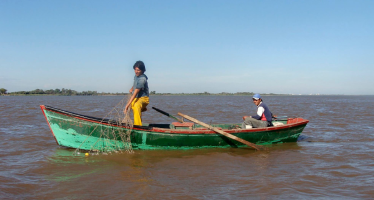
[88, 118]
[165, 130]
[208, 131]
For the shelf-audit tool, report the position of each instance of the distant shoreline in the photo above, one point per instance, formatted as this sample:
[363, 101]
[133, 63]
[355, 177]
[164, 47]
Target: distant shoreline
[187, 94]
[70, 92]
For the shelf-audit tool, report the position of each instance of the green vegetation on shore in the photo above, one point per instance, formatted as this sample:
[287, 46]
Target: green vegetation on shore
[3, 91]
[69, 92]
[60, 92]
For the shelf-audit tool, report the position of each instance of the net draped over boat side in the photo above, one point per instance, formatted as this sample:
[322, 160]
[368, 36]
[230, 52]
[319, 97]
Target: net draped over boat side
[113, 138]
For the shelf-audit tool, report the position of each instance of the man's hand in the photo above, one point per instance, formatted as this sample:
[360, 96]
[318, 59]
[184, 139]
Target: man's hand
[126, 108]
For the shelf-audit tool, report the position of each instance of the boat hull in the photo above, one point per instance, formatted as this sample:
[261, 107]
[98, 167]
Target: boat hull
[83, 132]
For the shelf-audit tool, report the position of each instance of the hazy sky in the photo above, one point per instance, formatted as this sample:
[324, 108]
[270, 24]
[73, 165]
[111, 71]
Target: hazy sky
[299, 46]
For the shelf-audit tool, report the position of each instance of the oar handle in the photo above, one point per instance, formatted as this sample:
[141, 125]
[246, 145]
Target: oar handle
[162, 112]
[167, 114]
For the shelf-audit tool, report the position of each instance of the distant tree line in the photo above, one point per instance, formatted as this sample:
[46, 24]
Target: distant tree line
[69, 92]
[62, 92]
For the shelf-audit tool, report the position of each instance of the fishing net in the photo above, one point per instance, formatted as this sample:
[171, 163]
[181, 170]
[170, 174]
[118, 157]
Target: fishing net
[109, 136]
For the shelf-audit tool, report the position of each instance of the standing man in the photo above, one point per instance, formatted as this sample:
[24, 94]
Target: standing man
[140, 93]
[263, 117]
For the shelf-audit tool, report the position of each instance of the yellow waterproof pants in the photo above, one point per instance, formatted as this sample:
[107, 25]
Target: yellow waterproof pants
[138, 106]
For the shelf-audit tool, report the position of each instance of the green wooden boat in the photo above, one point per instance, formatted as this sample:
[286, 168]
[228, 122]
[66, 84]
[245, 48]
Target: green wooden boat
[84, 132]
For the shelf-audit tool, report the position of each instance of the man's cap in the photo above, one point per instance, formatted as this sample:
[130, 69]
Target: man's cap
[256, 96]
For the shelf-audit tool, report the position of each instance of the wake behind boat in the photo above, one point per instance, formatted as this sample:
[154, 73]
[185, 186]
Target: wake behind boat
[99, 134]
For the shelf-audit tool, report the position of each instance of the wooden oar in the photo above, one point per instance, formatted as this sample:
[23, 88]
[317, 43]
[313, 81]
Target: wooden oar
[257, 147]
[167, 114]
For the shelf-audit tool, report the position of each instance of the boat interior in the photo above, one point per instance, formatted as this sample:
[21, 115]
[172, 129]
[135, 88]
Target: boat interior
[174, 125]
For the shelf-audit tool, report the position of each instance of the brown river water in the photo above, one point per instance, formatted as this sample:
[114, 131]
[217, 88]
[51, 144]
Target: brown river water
[333, 159]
